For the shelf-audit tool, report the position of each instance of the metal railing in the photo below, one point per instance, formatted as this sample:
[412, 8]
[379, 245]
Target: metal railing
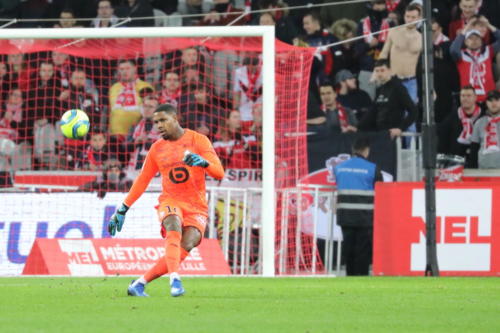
[409, 157]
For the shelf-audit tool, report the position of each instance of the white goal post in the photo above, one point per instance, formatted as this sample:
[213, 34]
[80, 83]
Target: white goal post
[268, 207]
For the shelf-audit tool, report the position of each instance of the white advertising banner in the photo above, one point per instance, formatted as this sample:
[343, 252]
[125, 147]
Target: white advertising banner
[26, 216]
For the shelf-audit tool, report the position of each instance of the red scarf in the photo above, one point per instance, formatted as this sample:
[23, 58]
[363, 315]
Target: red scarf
[167, 98]
[491, 140]
[250, 91]
[391, 5]
[342, 113]
[467, 124]
[367, 30]
[92, 159]
[342, 118]
[16, 110]
[476, 74]
[140, 129]
[7, 132]
[127, 97]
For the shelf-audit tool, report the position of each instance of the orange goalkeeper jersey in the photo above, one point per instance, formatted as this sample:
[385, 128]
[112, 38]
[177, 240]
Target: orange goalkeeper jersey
[181, 183]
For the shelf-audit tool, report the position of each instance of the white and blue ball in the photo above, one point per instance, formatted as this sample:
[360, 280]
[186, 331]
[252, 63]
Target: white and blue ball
[75, 124]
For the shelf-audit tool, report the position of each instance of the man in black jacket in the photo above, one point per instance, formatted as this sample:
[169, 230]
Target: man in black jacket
[390, 103]
[455, 132]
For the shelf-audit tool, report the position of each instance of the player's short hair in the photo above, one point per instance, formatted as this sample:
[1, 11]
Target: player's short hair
[360, 144]
[382, 62]
[167, 108]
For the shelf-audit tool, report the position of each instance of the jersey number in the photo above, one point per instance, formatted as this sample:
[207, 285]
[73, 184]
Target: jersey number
[178, 175]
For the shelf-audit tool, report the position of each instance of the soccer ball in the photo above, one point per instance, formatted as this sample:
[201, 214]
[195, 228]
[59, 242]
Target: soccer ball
[75, 124]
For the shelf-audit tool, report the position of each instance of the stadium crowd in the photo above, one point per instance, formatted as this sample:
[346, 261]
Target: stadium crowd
[368, 84]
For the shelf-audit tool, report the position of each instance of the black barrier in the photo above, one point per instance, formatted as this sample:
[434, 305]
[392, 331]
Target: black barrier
[382, 149]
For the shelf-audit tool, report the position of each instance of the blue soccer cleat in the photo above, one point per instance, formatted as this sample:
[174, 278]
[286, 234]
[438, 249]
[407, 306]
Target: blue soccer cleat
[137, 290]
[176, 288]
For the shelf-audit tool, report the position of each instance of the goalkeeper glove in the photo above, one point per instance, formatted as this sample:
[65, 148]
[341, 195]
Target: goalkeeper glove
[193, 159]
[117, 220]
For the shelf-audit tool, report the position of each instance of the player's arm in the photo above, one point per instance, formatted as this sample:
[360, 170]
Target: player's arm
[149, 169]
[207, 158]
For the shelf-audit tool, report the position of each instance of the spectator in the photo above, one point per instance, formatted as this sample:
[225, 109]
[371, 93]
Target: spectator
[247, 88]
[105, 15]
[136, 8]
[396, 10]
[223, 13]
[285, 28]
[14, 155]
[75, 97]
[255, 147]
[315, 37]
[231, 145]
[455, 132]
[16, 114]
[187, 62]
[67, 19]
[337, 118]
[19, 75]
[485, 147]
[63, 70]
[350, 96]
[193, 7]
[475, 61]
[124, 99]
[445, 73]
[143, 135]
[403, 48]
[168, 7]
[96, 153]
[355, 180]
[344, 56]
[468, 9]
[171, 92]
[368, 48]
[191, 75]
[4, 82]
[62, 67]
[202, 112]
[45, 112]
[391, 101]
[113, 179]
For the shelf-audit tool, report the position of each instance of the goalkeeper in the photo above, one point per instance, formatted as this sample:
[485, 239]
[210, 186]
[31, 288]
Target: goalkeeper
[182, 157]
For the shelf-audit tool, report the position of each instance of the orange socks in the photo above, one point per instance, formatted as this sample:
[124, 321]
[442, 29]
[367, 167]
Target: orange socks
[160, 268]
[173, 251]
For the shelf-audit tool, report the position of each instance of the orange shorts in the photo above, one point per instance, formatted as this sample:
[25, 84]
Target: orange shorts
[188, 218]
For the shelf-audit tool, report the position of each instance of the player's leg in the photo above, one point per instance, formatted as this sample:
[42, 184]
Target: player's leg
[173, 226]
[159, 269]
[191, 237]
[169, 215]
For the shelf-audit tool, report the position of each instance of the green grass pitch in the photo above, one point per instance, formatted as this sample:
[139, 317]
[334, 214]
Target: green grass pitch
[258, 305]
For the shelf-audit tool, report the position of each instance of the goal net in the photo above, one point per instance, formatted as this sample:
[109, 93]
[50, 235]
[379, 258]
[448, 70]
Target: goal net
[61, 188]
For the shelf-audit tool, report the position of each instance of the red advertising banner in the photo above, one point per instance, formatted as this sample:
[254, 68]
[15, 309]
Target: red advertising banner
[467, 229]
[99, 257]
